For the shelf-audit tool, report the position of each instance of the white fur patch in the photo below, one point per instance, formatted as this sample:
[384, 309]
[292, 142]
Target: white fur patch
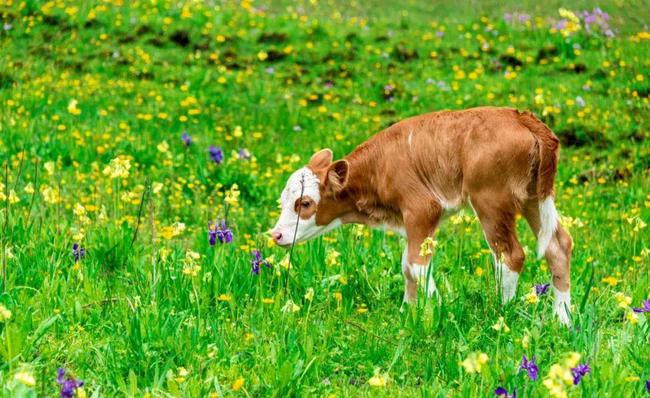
[548, 224]
[306, 182]
[562, 305]
[507, 279]
[422, 275]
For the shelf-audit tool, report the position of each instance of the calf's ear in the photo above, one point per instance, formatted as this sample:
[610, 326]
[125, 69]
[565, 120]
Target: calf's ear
[321, 159]
[337, 176]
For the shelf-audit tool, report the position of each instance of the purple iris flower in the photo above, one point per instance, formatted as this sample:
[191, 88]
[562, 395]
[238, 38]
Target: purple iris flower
[647, 385]
[503, 392]
[542, 289]
[78, 252]
[579, 372]
[257, 261]
[69, 385]
[219, 232]
[187, 140]
[530, 367]
[645, 307]
[216, 154]
[244, 154]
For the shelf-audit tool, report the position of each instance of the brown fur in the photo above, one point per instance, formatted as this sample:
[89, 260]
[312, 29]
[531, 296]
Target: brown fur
[499, 160]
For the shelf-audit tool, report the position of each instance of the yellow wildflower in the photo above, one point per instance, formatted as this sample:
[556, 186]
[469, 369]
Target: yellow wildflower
[474, 362]
[290, 306]
[25, 378]
[118, 168]
[5, 314]
[377, 380]
[224, 297]
[309, 295]
[238, 384]
[622, 300]
[501, 325]
[426, 248]
[331, 258]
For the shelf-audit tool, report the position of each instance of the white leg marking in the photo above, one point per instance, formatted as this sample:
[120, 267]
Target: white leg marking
[405, 272]
[548, 224]
[507, 279]
[562, 305]
[424, 278]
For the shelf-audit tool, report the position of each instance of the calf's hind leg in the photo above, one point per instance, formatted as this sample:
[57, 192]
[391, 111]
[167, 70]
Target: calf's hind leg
[558, 256]
[497, 217]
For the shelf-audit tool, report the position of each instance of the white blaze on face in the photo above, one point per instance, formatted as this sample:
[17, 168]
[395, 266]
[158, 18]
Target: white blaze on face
[303, 180]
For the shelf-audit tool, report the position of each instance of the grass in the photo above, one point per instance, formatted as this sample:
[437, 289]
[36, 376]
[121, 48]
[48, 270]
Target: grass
[82, 84]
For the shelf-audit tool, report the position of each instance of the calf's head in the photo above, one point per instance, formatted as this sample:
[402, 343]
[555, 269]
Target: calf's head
[310, 203]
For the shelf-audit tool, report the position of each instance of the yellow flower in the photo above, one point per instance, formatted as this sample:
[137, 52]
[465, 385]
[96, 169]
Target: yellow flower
[525, 341]
[338, 296]
[29, 188]
[232, 195]
[331, 258]
[262, 55]
[163, 147]
[622, 300]
[182, 374]
[268, 301]
[564, 13]
[72, 107]
[50, 194]
[238, 384]
[474, 362]
[118, 168]
[309, 295]
[632, 317]
[501, 325]
[478, 271]
[610, 280]
[559, 376]
[377, 380]
[224, 297]
[49, 167]
[13, 198]
[426, 248]
[25, 378]
[290, 306]
[532, 297]
[5, 314]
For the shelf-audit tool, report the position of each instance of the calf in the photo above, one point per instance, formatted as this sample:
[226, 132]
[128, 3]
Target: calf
[500, 161]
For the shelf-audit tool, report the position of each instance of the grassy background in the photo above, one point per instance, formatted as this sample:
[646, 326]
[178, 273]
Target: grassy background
[282, 81]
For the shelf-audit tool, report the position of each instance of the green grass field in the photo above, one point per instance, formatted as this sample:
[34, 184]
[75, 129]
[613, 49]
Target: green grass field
[95, 97]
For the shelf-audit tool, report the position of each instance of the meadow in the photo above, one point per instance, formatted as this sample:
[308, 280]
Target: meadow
[144, 146]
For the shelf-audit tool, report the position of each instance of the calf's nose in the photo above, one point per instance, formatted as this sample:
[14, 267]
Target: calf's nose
[277, 236]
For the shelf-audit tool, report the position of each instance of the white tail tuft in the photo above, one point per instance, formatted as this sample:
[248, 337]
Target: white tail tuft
[548, 224]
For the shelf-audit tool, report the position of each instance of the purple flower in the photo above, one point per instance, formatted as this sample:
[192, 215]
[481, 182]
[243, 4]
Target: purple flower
[78, 252]
[257, 261]
[579, 372]
[530, 367]
[388, 88]
[439, 33]
[270, 70]
[647, 385]
[219, 232]
[645, 307]
[69, 385]
[542, 289]
[187, 140]
[244, 154]
[216, 154]
[503, 392]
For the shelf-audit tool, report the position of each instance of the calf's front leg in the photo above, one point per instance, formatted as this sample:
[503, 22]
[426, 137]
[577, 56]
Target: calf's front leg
[415, 267]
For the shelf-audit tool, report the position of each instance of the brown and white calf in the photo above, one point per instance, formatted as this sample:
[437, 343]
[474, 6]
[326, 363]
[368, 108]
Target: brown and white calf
[500, 161]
